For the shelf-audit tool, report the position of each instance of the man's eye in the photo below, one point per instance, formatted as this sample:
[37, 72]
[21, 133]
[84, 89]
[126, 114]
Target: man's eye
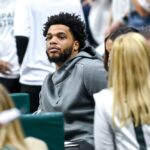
[48, 38]
[62, 37]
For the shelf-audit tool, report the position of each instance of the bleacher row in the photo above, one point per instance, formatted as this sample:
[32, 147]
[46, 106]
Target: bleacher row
[46, 126]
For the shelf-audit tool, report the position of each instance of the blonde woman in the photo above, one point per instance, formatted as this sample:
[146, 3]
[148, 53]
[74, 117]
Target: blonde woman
[11, 136]
[122, 112]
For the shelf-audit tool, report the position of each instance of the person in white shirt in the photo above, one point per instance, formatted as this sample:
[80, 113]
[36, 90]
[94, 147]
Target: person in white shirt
[99, 19]
[9, 66]
[29, 20]
[122, 111]
[133, 13]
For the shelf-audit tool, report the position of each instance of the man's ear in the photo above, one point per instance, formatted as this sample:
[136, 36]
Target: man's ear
[76, 46]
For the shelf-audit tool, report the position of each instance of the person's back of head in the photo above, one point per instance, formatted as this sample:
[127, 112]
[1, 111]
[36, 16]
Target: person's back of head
[11, 133]
[129, 77]
[111, 37]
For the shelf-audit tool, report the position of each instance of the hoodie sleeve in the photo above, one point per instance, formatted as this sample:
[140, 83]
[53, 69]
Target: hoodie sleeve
[94, 77]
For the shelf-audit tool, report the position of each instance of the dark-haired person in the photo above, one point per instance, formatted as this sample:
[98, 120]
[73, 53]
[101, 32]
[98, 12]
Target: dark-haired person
[79, 73]
[29, 19]
[111, 38]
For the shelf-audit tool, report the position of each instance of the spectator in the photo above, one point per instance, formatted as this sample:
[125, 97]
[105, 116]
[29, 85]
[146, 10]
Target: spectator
[9, 66]
[71, 87]
[11, 134]
[99, 19]
[110, 39]
[122, 112]
[29, 20]
[137, 16]
[141, 16]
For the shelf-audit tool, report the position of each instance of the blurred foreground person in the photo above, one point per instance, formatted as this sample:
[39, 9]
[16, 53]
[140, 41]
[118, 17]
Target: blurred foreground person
[11, 135]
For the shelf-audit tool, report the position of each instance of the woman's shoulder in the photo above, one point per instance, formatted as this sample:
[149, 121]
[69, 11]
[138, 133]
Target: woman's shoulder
[104, 103]
[103, 98]
[105, 93]
[38, 144]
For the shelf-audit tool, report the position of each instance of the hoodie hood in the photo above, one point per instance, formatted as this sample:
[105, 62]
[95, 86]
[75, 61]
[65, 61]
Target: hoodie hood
[86, 53]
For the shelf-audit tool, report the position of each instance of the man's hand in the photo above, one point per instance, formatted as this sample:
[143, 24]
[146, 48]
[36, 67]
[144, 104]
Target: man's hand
[5, 67]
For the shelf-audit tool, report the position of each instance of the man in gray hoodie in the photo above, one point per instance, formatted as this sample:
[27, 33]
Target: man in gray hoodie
[79, 74]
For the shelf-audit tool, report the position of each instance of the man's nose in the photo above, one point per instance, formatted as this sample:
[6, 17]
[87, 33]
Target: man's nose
[53, 40]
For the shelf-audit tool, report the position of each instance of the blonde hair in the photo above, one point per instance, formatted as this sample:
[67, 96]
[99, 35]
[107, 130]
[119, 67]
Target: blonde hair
[129, 77]
[10, 134]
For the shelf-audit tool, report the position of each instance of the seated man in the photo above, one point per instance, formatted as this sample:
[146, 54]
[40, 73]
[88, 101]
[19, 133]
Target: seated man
[79, 73]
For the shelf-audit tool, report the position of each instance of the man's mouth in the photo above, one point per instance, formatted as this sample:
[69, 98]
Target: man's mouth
[53, 49]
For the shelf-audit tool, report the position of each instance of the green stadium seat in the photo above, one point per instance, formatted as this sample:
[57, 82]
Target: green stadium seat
[46, 126]
[22, 101]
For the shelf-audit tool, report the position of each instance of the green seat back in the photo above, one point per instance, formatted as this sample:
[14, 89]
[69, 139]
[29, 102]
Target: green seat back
[46, 126]
[22, 101]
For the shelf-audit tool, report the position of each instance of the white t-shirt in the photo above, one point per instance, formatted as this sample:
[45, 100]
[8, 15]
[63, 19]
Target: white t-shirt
[99, 19]
[120, 9]
[31, 15]
[7, 40]
[105, 134]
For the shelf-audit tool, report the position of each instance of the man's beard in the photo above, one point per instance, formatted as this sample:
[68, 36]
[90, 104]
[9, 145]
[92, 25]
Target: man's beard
[62, 57]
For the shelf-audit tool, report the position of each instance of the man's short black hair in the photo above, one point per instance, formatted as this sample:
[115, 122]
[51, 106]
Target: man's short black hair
[74, 22]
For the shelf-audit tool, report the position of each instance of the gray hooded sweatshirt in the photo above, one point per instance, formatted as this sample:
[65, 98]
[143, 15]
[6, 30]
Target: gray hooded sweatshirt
[70, 90]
